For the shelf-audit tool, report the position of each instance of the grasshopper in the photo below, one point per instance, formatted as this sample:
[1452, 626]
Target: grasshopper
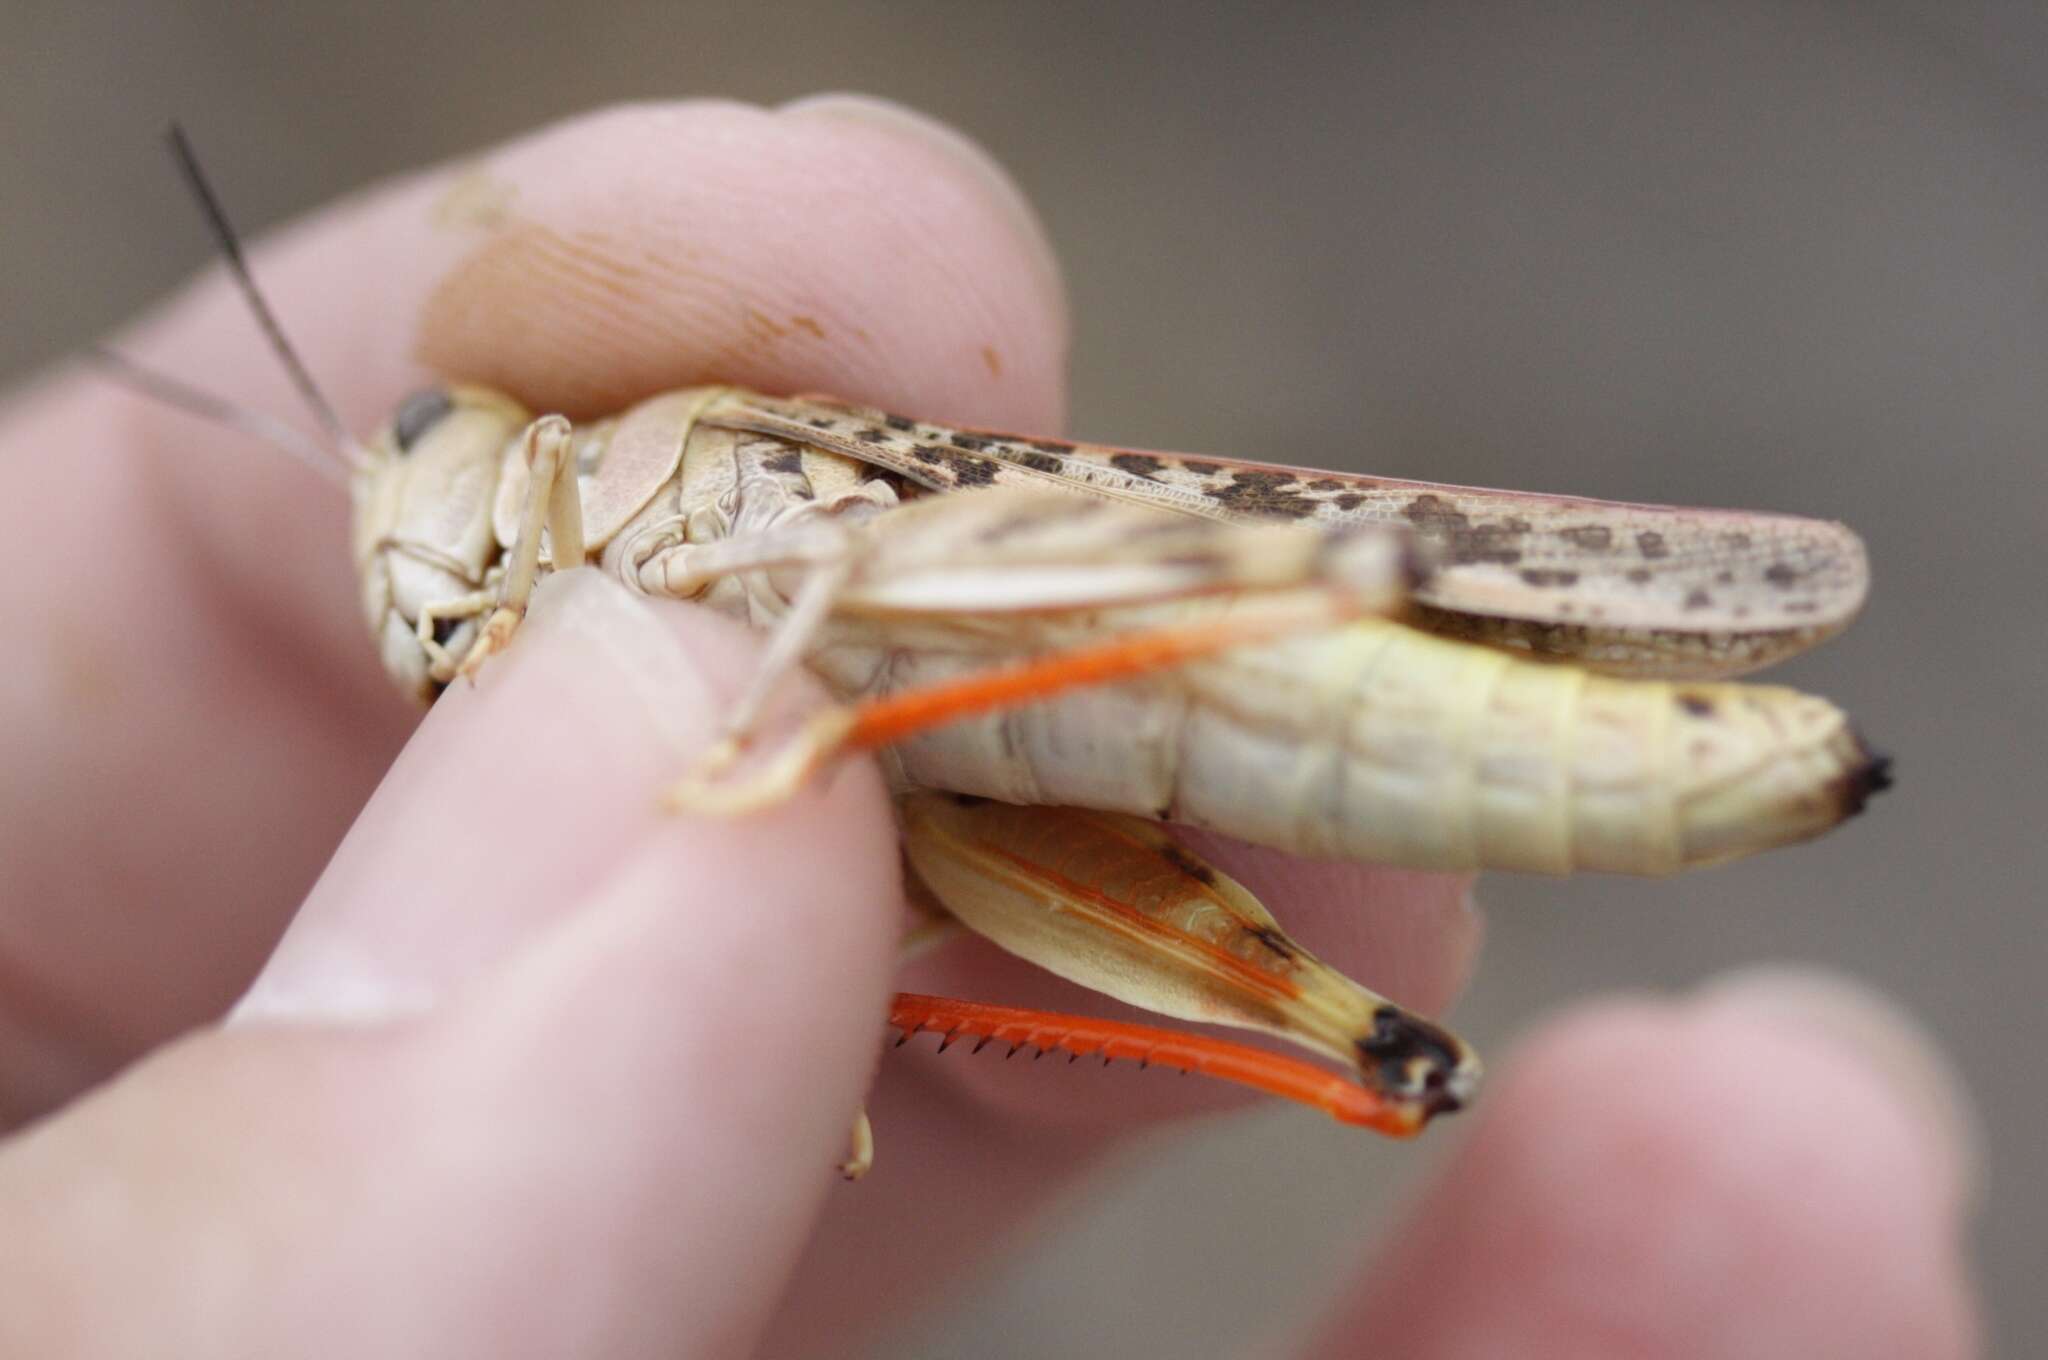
[1054, 648]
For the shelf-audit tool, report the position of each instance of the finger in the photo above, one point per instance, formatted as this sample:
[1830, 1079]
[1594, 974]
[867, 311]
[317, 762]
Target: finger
[840, 245]
[191, 710]
[558, 753]
[580, 1110]
[1773, 1168]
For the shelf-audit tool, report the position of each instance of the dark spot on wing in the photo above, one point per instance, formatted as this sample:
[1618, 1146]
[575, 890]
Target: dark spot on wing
[1263, 493]
[930, 454]
[790, 462]
[1545, 576]
[1651, 544]
[821, 422]
[1188, 864]
[1469, 542]
[419, 413]
[1737, 541]
[971, 469]
[1591, 537]
[1052, 446]
[1430, 511]
[1282, 947]
[1201, 467]
[1037, 462]
[1698, 599]
[1488, 543]
[969, 442]
[1781, 574]
[1326, 484]
[1639, 575]
[1137, 464]
[899, 422]
[1697, 705]
[873, 434]
[1350, 500]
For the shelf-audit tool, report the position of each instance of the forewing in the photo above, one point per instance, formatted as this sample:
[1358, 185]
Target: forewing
[1624, 588]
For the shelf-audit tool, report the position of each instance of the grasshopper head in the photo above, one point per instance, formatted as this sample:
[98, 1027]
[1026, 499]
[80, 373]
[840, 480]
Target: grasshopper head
[423, 543]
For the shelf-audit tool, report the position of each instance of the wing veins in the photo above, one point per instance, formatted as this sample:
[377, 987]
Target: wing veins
[1638, 587]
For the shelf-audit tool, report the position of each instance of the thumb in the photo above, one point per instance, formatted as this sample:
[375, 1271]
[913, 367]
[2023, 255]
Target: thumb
[536, 1071]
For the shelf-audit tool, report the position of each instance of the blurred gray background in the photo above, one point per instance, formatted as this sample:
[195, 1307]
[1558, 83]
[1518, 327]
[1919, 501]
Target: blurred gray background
[1780, 255]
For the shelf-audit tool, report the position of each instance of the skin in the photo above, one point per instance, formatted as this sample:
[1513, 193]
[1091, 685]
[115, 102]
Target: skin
[521, 1029]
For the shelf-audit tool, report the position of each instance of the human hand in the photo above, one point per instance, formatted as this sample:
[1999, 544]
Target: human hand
[537, 1070]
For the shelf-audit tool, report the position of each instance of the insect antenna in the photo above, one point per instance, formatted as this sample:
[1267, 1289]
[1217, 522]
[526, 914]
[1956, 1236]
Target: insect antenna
[230, 245]
[171, 392]
[332, 459]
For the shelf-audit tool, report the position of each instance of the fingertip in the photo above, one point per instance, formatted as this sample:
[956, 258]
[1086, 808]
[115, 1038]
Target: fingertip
[1762, 1064]
[1869, 1028]
[521, 795]
[660, 1090]
[840, 247]
[955, 156]
[622, 1050]
[666, 1075]
[614, 1141]
[1686, 1179]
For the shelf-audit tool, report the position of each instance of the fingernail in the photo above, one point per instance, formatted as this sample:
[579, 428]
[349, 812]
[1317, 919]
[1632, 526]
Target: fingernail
[1885, 1038]
[969, 156]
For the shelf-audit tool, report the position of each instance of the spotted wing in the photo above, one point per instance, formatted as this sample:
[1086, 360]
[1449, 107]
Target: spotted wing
[1617, 587]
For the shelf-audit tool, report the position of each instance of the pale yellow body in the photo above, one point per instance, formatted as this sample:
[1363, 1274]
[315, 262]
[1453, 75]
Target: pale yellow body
[1376, 742]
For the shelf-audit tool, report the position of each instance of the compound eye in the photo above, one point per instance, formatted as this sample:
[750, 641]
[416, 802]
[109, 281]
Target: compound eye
[419, 413]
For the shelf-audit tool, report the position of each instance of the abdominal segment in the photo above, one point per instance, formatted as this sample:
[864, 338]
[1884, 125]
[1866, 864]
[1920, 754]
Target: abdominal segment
[1376, 742]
